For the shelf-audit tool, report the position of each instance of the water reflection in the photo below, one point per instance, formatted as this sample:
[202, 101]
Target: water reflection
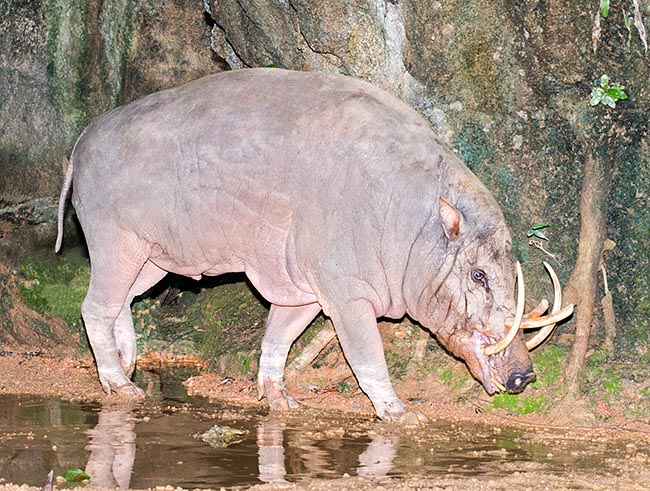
[127, 446]
[112, 447]
[270, 443]
[375, 462]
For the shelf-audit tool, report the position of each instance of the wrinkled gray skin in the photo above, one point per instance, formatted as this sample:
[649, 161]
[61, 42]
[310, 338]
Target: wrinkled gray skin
[325, 191]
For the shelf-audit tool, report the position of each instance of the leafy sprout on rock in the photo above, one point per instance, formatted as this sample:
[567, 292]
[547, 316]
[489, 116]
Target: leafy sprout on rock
[536, 230]
[608, 95]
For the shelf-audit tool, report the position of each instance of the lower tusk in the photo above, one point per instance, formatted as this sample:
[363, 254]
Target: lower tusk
[498, 384]
[492, 349]
[555, 316]
[495, 375]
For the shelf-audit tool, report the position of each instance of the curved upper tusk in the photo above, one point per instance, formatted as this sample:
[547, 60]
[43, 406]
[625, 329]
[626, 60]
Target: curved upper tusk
[537, 312]
[491, 349]
[556, 314]
[547, 319]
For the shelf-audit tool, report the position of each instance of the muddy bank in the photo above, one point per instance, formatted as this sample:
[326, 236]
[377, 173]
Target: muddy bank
[531, 481]
[334, 441]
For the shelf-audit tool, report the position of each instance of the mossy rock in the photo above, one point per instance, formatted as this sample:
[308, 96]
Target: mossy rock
[221, 319]
[21, 323]
[55, 286]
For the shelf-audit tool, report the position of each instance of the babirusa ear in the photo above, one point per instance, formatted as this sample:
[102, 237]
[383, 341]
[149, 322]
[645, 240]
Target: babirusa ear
[450, 218]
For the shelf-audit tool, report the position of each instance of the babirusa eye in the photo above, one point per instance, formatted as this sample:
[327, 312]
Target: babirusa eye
[478, 276]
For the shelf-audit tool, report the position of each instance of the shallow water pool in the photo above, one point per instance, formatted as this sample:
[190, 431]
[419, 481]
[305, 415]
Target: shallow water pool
[155, 443]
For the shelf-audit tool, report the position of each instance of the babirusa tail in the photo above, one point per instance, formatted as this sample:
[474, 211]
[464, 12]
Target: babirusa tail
[67, 182]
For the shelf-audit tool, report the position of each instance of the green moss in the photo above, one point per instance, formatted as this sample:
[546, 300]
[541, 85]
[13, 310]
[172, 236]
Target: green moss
[446, 375]
[244, 364]
[145, 323]
[608, 375]
[311, 331]
[477, 151]
[597, 360]
[306, 337]
[548, 364]
[397, 363]
[521, 250]
[645, 358]
[612, 382]
[240, 364]
[56, 286]
[117, 32]
[68, 53]
[479, 68]
[83, 82]
[628, 267]
[223, 319]
[520, 403]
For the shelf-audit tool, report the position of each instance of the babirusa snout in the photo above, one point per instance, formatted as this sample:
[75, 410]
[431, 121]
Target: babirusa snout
[518, 381]
[533, 319]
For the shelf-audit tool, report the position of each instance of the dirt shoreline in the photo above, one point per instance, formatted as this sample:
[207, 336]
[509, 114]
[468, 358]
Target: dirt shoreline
[60, 374]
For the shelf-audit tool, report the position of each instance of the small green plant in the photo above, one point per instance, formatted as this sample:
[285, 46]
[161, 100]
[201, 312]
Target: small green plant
[602, 92]
[536, 230]
[344, 388]
[75, 476]
[604, 8]
[628, 25]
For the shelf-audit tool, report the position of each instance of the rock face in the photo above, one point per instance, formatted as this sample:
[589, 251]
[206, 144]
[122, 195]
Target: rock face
[361, 38]
[506, 85]
[29, 130]
[170, 46]
[64, 62]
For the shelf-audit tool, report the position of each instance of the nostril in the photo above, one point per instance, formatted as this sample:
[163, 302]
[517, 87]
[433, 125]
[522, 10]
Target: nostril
[518, 381]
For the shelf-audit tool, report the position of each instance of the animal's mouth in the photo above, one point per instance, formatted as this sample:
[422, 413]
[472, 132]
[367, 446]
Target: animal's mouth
[490, 370]
[494, 377]
[514, 384]
[533, 319]
[484, 367]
